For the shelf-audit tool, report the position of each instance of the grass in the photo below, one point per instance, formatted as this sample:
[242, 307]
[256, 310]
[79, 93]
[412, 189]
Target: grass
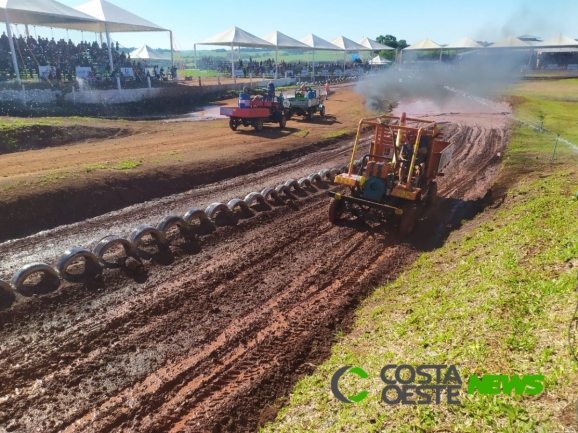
[338, 134]
[498, 300]
[94, 167]
[127, 165]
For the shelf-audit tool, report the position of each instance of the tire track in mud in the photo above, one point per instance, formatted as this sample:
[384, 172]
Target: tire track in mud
[207, 340]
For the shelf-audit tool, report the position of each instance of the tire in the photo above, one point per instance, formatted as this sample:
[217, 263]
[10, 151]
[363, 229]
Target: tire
[335, 210]
[233, 124]
[23, 273]
[282, 122]
[310, 114]
[258, 125]
[408, 220]
[288, 115]
[322, 112]
[432, 193]
[71, 255]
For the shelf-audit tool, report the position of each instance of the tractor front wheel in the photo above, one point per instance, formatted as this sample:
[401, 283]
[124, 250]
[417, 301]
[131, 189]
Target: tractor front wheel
[233, 124]
[258, 125]
[335, 210]
[408, 220]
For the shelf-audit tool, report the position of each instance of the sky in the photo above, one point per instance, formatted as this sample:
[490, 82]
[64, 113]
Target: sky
[443, 21]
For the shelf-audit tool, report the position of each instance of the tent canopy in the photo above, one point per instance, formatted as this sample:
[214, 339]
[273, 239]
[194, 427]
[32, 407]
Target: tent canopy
[378, 60]
[559, 41]
[464, 43]
[42, 13]
[147, 53]
[425, 44]
[317, 43]
[374, 45]
[118, 19]
[283, 41]
[348, 45]
[510, 42]
[238, 38]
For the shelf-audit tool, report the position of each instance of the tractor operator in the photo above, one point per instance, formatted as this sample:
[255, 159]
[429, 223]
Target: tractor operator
[406, 153]
[271, 91]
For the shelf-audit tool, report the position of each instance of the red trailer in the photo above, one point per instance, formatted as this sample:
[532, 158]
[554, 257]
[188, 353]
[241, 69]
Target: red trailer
[255, 114]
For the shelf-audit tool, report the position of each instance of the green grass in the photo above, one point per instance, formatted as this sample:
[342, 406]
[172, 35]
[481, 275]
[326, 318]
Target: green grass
[127, 165]
[94, 167]
[339, 134]
[498, 300]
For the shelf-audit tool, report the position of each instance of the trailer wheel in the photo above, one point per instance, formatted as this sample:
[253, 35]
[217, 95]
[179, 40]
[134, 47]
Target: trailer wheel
[335, 210]
[310, 113]
[233, 124]
[432, 193]
[282, 122]
[408, 220]
[258, 125]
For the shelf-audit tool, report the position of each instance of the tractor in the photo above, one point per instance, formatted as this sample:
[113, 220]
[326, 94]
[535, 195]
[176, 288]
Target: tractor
[397, 178]
[304, 104]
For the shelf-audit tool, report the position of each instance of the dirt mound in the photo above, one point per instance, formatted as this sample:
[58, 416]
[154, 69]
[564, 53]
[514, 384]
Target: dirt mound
[220, 326]
[30, 137]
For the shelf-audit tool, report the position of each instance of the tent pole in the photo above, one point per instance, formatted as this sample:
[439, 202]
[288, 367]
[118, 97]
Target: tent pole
[196, 66]
[313, 65]
[277, 62]
[172, 56]
[12, 50]
[108, 47]
[441, 51]
[344, 54]
[233, 63]
[100, 39]
[27, 32]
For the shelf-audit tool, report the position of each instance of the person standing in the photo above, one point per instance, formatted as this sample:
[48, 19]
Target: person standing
[327, 90]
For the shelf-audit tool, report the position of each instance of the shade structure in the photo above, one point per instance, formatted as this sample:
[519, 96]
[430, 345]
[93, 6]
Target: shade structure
[510, 42]
[235, 37]
[378, 60]
[424, 44]
[317, 43]
[348, 45]
[147, 53]
[282, 41]
[464, 43]
[558, 41]
[374, 45]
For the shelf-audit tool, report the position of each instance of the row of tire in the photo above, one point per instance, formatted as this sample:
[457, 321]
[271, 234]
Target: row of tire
[332, 80]
[130, 245]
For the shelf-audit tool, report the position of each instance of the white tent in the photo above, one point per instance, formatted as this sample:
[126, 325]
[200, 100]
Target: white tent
[348, 45]
[510, 42]
[37, 12]
[147, 53]
[425, 45]
[558, 41]
[374, 45]
[113, 19]
[378, 60]
[235, 37]
[282, 41]
[317, 43]
[464, 43]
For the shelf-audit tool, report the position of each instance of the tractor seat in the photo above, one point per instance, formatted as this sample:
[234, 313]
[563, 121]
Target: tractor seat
[377, 169]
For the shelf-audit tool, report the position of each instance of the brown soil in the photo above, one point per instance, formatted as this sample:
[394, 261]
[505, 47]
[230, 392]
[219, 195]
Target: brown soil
[43, 188]
[220, 326]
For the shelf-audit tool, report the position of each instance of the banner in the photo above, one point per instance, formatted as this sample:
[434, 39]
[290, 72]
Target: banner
[304, 72]
[127, 72]
[325, 72]
[44, 72]
[239, 73]
[289, 73]
[83, 71]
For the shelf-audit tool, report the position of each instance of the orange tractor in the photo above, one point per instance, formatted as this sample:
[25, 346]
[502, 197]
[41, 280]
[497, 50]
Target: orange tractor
[397, 177]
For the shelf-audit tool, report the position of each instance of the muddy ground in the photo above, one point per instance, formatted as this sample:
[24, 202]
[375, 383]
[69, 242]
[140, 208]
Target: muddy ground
[220, 326]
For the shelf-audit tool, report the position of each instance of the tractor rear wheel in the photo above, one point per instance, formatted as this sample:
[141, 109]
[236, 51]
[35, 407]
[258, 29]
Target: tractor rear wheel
[233, 124]
[335, 210]
[258, 125]
[408, 220]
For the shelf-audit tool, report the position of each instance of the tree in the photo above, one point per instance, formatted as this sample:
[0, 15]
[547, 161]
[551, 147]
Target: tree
[391, 41]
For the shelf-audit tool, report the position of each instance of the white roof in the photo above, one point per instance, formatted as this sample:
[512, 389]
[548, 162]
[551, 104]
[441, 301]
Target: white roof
[425, 44]
[238, 38]
[510, 42]
[378, 60]
[41, 12]
[118, 19]
[146, 52]
[465, 43]
[559, 41]
[317, 43]
[283, 41]
[348, 45]
[374, 45]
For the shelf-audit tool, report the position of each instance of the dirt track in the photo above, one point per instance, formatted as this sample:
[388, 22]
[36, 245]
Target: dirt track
[222, 325]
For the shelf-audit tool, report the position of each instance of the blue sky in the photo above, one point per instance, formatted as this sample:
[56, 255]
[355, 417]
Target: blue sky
[443, 21]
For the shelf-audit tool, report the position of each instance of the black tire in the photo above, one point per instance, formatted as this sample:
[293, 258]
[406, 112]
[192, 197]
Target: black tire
[288, 114]
[322, 112]
[258, 125]
[233, 124]
[432, 193]
[310, 114]
[335, 210]
[408, 220]
[282, 122]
